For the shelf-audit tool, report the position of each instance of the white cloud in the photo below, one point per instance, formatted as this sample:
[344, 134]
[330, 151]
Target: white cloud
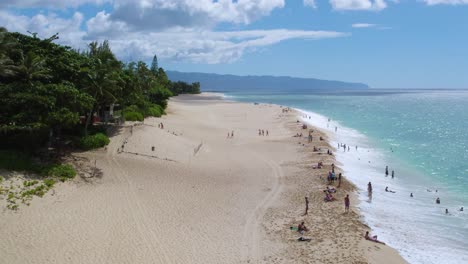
[162, 14]
[49, 3]
[363, 25]
[175, 44]
[47, 25]
[371, 5]
[446, 2]
[310, 3]
[206, 46]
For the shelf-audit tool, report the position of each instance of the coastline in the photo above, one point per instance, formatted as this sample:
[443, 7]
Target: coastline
[198, 197]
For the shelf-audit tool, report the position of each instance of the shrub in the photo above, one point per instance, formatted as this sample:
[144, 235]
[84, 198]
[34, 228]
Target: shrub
[30, 183]
[49, 183]
[38, 191]
[62, 171]
[133, 116]
[155, 110]
[95, 141]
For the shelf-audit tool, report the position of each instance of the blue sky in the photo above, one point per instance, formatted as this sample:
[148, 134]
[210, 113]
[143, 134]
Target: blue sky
[384, 43]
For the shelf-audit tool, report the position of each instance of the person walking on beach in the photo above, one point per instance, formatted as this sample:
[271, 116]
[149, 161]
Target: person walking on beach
[307, 205]
[346, 203]
[339, 180]
[386, 171]
[393, 174]
[267, 132]
[232, 134]
[336, 129]
[369, 188]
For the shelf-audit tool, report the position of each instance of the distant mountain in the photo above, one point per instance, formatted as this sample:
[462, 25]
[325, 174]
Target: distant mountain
[228, 82]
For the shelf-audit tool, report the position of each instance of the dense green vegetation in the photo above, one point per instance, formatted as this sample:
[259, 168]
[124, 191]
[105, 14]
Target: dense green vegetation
[51, 94]
[98, 140]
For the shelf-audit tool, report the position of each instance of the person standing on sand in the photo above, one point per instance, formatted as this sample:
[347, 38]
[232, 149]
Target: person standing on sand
[393, 174]
[346, 203]
[386, 171]
[232, 134]
[267, 132]
[307, 205]
[336, 129]
[339, 180]
[369, 188]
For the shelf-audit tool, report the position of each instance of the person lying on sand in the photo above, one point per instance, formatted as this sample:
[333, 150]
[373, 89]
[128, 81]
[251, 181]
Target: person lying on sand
[372, 238]
[387, 190]
[328, 197]
[302, 239]
[330, 190]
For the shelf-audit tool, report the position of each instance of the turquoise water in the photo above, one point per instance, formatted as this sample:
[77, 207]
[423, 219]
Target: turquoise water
[423, 135]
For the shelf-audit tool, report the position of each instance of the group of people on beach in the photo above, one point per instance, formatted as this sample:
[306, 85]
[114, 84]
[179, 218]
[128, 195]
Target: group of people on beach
[329, 192]
[262, 132]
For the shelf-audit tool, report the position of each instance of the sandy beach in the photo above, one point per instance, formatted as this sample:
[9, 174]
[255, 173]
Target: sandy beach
[188, 193]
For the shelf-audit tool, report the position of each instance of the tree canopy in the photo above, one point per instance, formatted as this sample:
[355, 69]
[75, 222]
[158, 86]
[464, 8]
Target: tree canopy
[46, 86]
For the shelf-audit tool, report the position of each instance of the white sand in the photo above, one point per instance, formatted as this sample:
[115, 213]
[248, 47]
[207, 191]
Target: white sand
[199, 197]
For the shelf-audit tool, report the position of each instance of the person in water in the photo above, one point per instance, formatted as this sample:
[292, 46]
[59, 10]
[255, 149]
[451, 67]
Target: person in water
[461, 209]
[369, 187]
[411, 195]
[438, 200]
[446, 211]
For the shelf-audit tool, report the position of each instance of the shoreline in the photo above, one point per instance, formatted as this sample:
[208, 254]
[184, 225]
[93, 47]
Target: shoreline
[374, 253]
[190, 194]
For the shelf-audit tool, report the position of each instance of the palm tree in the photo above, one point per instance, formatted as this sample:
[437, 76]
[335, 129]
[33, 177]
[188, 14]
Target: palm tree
[32, 68]
[7, 44]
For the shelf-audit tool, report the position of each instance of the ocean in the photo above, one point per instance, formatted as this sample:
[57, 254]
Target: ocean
[422, 135]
